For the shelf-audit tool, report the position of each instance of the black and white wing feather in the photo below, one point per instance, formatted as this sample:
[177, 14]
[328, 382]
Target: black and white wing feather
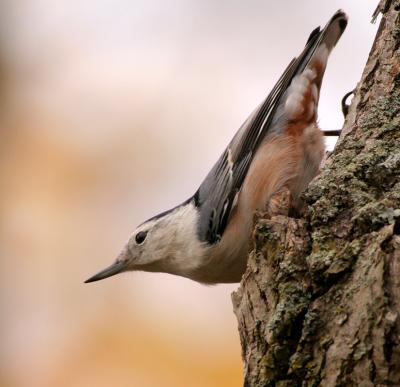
[217, 194]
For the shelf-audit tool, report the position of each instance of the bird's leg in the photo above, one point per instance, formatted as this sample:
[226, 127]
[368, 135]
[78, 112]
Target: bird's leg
[345, 106]
[332, 133]
[345, 111]
[280, 203]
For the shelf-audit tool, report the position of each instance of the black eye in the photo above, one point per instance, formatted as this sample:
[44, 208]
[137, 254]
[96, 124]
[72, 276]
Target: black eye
[140, 237]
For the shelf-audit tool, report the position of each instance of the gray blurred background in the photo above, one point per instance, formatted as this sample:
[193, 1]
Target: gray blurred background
[111, 112]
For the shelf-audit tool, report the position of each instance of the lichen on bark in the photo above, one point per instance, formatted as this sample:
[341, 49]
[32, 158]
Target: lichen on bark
[319, 303]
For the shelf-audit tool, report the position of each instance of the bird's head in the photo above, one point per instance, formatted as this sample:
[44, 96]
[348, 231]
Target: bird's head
[161, 244]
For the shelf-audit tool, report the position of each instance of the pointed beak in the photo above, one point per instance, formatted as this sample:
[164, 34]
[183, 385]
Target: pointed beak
[115, 268]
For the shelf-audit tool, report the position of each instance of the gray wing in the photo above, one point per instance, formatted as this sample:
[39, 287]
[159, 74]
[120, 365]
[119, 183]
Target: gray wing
[217, 194]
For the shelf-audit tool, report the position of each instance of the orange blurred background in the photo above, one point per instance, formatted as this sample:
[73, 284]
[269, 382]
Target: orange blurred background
[113, 111]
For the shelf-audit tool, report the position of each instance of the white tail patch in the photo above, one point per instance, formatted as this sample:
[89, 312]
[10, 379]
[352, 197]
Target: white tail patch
[300, 86]
[314, 92]
[321, 55]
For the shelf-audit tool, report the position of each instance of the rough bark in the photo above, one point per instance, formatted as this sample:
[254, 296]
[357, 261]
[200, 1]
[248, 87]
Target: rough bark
[319, 303]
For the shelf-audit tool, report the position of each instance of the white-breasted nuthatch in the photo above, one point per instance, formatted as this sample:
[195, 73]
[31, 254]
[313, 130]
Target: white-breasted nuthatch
[207, 238]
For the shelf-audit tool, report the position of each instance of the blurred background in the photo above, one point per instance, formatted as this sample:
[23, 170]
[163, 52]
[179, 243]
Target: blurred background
[113, 111]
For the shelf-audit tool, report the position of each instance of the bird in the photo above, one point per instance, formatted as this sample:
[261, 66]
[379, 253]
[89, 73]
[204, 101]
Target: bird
[207, 238]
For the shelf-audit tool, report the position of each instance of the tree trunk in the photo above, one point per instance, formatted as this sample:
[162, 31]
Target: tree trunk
[319, 303]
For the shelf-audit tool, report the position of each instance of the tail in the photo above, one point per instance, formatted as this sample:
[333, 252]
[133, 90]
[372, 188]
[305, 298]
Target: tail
[305, 73]
[320, 44]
